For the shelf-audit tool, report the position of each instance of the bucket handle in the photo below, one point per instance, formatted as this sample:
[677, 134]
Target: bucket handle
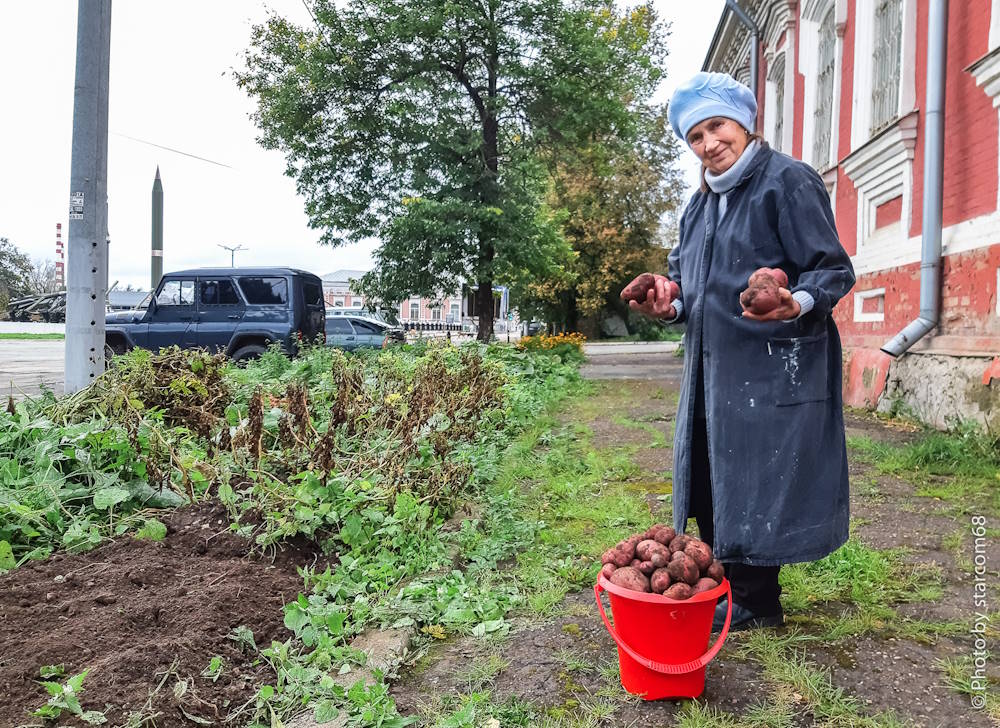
[662, 667]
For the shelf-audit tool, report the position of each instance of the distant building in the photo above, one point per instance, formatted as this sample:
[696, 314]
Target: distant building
[337, 289]
[453, 308]
[842, 86]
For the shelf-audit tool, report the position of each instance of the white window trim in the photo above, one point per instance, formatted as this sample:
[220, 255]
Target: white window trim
[996, 292]
[986, 71]
[962, 237]
[813, 13]
[787, 110]
[995, 25]
[881, 170]
[864, 44]
[859, 304]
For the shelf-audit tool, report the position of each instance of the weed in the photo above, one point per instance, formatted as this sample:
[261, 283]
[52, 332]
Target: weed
[65, 697]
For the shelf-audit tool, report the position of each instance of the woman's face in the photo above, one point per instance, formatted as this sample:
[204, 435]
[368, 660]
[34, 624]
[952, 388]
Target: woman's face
[718, 142]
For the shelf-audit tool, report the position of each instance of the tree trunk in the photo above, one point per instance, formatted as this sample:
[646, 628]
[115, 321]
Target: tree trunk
[484, 305]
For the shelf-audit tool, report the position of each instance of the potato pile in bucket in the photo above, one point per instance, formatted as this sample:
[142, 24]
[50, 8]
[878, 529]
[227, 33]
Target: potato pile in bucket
[661, 561]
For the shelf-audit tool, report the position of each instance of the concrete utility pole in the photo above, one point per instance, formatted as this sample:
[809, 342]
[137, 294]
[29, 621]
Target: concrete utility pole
[157, 253]
[87, 284]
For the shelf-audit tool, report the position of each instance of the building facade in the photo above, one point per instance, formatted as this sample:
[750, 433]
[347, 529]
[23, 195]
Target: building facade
[842, 85]
[457, 309]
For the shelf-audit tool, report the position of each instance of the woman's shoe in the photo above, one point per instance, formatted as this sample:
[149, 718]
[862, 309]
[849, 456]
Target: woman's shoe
[744, 619]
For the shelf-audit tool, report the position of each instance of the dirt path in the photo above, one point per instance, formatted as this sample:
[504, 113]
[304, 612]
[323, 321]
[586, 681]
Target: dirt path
[897, 653]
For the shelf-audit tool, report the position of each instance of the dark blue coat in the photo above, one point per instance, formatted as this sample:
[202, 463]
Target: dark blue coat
[773, 399]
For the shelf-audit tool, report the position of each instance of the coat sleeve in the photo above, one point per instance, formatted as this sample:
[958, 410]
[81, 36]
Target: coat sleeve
[809, 237]
[674, 270]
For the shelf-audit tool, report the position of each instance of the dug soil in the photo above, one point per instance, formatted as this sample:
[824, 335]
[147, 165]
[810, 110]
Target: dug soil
[145, 618]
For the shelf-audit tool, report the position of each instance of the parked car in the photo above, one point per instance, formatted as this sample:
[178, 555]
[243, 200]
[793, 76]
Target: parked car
[239, 311]
[361, 332]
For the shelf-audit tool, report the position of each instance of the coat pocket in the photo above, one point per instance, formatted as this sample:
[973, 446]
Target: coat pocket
[801, 373]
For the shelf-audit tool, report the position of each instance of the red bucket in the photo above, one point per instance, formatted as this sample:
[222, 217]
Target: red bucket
[663, 643]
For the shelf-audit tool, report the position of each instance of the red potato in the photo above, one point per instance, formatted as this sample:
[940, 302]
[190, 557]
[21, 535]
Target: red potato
[627, 547]
[760, 300]
[640, 286]
[677, 555]
[635, 563]
[778, 276]
[761, 295]
[700, 552]
[638, 290]
[645, 548]
[660, 557]
[630, 578]
[684, 569]
[664, 534]
[679, 542]
[607, 570]
[646, 567]
[660, 580]
[616, 556]
[703, 585]
[716, 571]
[678, 591]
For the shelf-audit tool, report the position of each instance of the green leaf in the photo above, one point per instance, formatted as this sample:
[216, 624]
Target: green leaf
[52, 670]
[295, 617]
[109, 497]
[94, 717]
[7, 560]
[325, 711]
[152, 530]
[266, 692]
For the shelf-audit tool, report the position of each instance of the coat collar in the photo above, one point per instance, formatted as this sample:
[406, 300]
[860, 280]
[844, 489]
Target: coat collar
[761, 158]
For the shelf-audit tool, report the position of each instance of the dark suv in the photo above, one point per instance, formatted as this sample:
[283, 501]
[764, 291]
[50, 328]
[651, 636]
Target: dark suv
[240, 311]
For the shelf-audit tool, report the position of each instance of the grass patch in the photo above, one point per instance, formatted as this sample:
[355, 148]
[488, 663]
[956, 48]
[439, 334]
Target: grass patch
[961, 467]
[829, 705]
[959, 674]
[859, 575]
[25, 337]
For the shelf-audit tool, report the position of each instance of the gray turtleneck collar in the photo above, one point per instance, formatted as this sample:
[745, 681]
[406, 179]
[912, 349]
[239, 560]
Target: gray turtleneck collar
[721, 184]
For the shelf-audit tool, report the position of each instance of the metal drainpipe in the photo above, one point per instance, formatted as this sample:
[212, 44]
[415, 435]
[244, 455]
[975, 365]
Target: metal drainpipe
[930, 251]
[754, 45]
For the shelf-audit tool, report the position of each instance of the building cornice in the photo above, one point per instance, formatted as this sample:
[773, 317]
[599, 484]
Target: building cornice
[986, 71]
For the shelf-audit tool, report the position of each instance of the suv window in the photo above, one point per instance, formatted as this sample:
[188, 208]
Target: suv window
[219, 292]
[264, 290]
[363, 327]
[338, 326]
[313, 293]
[176, 293]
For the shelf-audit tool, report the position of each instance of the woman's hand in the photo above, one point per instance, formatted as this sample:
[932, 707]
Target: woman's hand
[786, 310]
[659, 298]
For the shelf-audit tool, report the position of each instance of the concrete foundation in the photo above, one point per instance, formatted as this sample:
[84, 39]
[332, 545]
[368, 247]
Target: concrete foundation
[941, 390]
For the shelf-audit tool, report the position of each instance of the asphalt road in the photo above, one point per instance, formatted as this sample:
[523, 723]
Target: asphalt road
[632, 361]
[26, 364]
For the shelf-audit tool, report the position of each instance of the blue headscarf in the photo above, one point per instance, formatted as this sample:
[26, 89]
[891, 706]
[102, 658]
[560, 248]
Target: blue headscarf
[706, 95]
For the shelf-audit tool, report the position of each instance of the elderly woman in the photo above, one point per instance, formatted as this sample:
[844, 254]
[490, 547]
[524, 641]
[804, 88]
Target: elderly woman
[759, 455]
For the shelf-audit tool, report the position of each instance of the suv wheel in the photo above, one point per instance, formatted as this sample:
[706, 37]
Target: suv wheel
[249, 353]
[115, 347]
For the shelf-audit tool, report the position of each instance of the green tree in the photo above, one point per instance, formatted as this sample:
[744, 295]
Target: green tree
[420, 123]
[619, 197]
[15, 273]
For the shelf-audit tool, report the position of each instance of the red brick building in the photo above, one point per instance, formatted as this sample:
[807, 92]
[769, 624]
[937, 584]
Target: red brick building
[842, 85]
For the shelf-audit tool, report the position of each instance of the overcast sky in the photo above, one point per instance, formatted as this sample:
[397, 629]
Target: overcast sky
[171, 86]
